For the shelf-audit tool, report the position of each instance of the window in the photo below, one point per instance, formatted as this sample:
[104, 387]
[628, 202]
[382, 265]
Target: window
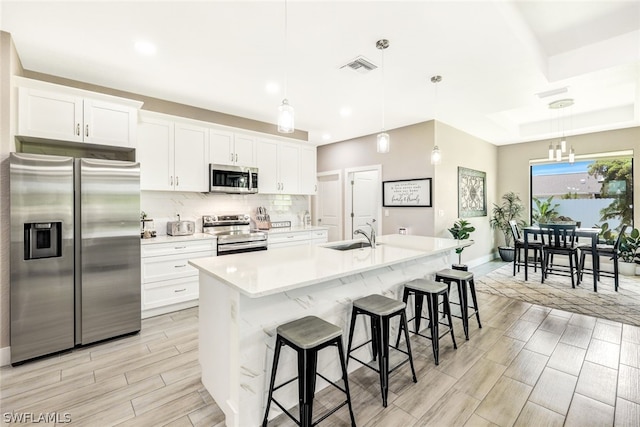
[591, 191]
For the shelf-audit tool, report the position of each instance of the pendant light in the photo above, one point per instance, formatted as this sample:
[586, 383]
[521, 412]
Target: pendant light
[436, 157]
[286, 114]
[383, 139]
[561, 146]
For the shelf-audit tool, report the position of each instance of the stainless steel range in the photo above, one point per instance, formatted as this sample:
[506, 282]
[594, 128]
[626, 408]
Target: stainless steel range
[234, 233]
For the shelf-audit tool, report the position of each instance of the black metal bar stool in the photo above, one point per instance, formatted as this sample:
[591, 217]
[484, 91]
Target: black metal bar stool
[307, 336]
[421, 288]
[464, 280]
[381, 309]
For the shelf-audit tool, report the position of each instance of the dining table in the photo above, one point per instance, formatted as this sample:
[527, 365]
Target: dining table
[586, 232]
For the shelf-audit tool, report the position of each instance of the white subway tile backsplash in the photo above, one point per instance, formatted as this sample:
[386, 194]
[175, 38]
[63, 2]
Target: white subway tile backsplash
[162, 206]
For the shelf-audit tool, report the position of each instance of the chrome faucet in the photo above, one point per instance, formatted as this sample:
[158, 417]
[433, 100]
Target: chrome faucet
[372, 237]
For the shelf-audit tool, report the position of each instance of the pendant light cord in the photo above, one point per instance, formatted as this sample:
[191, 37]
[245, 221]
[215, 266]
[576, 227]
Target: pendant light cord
[383, 90]
[286, 28]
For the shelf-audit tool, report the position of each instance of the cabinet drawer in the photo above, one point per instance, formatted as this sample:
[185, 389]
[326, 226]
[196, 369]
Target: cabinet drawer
[170, 292]
[288, 237]
[168, 267]
[175, 248]
[320, 235]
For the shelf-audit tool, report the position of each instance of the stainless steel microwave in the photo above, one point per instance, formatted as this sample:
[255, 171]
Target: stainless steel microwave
[233, 179]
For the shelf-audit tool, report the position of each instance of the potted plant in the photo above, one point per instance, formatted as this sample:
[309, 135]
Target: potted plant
[545, 212]
[628, 252]
[511, 208]
[461, 230]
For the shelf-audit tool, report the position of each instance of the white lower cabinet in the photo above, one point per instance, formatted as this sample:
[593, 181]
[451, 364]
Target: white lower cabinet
[169, 283]
[319, 236]
[297, 238]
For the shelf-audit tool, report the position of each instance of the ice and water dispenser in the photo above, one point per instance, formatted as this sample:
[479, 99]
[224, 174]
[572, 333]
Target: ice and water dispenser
[42, 240]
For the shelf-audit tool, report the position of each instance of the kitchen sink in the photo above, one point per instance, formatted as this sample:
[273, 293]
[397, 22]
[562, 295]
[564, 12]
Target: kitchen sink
[350, 246]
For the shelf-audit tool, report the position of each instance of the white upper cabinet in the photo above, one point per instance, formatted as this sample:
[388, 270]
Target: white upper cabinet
[107, 123]
[50, 115]
[54, 112]
[278, 167]
[308, 170]
[191, 151]
[228, 148]
[267, 162]
[289, 168]
[173, 155]
[155, 154]
[245, 150]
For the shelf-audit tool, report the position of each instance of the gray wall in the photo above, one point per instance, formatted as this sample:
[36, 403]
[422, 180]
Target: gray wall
[9, 65]
[513, 160]
[409, 157]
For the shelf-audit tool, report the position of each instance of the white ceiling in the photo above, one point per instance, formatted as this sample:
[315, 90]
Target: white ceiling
[494, 56]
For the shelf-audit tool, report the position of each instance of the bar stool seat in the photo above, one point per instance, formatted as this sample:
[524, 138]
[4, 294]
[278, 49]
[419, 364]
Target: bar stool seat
[307, 336]
[420, 288]
[309, 332]
[380, 310]
[465, 283]
[379, 305]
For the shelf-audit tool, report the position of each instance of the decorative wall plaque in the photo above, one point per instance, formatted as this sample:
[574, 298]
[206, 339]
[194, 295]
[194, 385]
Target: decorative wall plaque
[407, 193]
[472, 194]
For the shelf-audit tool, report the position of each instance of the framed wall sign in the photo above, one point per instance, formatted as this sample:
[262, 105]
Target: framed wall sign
[472, 193]
[407, 193]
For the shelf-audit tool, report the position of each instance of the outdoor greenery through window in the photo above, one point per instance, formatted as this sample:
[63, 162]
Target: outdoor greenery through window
[591, 192]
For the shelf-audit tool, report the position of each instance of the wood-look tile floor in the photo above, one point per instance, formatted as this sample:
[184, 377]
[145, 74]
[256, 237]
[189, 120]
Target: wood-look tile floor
[528, 365]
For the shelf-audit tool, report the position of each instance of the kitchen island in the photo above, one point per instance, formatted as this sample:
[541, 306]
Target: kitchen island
[244, 297]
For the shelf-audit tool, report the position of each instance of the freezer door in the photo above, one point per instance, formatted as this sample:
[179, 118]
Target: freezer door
[42, 282]
[108, 250]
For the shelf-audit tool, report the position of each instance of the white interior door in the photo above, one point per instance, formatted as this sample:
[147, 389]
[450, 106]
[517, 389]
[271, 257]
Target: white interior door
[363, 199]
[328, 203]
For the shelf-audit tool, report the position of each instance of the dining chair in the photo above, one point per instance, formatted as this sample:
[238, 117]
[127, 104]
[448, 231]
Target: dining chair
[535, 245]
[560, 239]
[603, 250]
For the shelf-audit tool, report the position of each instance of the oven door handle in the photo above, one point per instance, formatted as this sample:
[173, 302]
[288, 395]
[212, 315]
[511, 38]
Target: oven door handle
[241, 245]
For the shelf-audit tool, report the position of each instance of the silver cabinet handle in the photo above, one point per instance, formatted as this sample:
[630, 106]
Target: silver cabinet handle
[231, 156]
[180, 290]
[177, 180]
[315, 188]
[78, 129]
[290, 237]
[179, 247]
[171, 184]
[180, 266]
[236, 157]
[86, 130]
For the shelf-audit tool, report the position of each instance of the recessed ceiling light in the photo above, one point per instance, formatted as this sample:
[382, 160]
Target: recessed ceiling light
[145, 47]
[326, 136]
[272, 87]
[345, 111]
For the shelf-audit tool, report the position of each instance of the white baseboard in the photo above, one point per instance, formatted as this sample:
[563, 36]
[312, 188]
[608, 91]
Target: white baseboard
[168, 309]
[5, 356]
[483, 259]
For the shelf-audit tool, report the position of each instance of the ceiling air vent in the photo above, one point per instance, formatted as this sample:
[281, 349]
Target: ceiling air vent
[360, 64]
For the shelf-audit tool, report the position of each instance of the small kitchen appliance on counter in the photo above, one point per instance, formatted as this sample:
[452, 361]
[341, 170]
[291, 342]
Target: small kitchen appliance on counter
[181, 228]
[234, 233]
[147, 227]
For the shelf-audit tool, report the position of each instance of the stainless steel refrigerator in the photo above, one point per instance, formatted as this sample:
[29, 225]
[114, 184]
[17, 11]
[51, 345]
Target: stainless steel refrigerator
[75, 252]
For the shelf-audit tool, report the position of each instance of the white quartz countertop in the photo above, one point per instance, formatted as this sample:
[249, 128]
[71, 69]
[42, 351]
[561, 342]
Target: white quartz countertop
[171, 239]
[257, 274]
